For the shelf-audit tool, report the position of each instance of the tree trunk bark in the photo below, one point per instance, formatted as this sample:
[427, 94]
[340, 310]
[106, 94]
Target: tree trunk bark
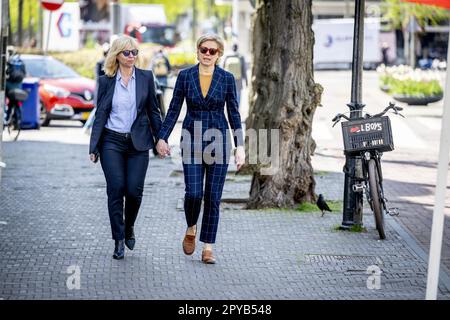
[284, 96]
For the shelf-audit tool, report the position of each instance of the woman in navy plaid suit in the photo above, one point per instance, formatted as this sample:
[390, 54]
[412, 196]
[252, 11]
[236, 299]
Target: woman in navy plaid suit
[206, 141]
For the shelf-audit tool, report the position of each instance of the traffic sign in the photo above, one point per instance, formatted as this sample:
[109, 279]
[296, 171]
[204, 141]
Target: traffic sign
[52, 5]
[64, 24]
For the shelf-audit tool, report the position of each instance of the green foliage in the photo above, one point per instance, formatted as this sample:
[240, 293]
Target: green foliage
[399, 13]
[336, 206]
[182, 59]
[416, 88]
[355, 228]
[30, 15]
[82, 61]
[409, 87]
[173, 8]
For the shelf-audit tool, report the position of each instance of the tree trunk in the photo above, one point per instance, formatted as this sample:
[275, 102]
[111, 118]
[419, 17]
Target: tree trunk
[284, 97]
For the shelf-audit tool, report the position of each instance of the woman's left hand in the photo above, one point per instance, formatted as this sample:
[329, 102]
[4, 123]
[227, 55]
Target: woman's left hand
[239, 157]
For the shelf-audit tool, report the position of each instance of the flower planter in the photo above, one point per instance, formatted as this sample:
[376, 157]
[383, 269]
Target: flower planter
[417, 101]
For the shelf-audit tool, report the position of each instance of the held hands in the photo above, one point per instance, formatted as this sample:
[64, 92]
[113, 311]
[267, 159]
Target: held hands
[163, 149]
[239, 157]
[93, 157]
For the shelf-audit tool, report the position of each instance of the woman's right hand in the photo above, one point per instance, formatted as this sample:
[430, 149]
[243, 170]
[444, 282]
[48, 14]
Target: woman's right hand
[94, 157]
[239, 157]
[162, 148]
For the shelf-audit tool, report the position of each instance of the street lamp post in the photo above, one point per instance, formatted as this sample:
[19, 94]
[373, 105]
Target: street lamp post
[352, 209]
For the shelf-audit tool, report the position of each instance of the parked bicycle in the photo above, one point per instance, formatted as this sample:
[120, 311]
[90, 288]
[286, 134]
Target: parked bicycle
[160, 96]
[367, 138]
[13, 114]
[160, 90]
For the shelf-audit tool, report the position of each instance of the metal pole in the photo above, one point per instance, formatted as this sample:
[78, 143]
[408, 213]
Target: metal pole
[116, 17]
[412, 43]
[4, 42]
[437, 227]
[48, 32]
[40, 33]
[352, 209]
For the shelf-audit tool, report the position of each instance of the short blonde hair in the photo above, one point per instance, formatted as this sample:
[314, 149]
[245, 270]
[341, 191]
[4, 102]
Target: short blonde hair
[216, 39]
[120, 44]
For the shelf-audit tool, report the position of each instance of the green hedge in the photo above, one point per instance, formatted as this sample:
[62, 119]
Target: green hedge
[83, 61]
[409, 87]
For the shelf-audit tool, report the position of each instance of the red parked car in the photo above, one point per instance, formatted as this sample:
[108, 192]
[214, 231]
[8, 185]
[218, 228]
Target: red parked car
[63, 93]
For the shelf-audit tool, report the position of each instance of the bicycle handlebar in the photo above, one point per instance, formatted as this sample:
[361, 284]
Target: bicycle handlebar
[392, 106]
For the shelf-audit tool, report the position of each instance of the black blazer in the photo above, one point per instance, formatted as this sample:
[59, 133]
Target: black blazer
[148, 118]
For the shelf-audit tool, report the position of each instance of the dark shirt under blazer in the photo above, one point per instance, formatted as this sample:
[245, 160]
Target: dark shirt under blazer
[148, 120]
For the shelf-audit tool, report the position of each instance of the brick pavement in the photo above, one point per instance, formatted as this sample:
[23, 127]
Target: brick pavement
[409, 185]
[53, 215]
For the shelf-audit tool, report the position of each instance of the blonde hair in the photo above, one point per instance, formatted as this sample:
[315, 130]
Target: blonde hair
[216, 39]
[119, 44]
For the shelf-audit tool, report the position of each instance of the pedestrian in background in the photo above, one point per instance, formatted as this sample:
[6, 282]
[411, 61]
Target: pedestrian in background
[161, 68]
[207, 88]
[15, 73]
[384, 53]
[99, 65]
[234, 63]
[127, 116]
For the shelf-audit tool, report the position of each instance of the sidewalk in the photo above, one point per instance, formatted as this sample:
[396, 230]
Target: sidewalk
[53, 215]
[409, 171]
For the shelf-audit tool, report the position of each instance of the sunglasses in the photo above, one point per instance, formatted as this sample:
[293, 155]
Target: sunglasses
[126, 53]
[212, 51]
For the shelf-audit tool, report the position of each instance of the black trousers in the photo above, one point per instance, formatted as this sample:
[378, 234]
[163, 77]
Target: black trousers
[124, 168]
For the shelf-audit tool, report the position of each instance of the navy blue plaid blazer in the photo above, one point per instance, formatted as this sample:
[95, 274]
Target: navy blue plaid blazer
[210, 109]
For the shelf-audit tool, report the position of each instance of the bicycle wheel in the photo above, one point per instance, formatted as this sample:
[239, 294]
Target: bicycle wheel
[162, 106]
[13, 126]
[375, 194]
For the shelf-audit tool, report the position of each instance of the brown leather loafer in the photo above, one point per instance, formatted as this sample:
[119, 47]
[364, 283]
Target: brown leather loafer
[207, 257]
[189, 244]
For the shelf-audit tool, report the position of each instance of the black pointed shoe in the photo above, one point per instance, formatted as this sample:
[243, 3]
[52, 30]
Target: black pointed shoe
[130, 240]
[119, 249]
